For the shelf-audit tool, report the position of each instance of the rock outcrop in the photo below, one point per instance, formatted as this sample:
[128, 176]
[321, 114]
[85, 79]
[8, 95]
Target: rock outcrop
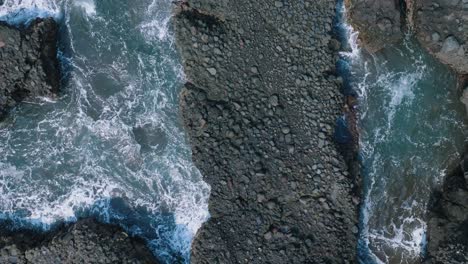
[441, 26]
[29, 66]
[447, 232]
[379, 22]
[86, 241]
[260, 106]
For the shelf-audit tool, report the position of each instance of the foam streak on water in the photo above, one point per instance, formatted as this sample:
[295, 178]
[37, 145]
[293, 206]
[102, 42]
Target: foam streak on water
[112, 145]
[412, 131]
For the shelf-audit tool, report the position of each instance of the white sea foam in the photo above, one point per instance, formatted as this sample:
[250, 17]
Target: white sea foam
[157, 24]
[88, 5]
[352, 36]
[82, 151]
[20, 11]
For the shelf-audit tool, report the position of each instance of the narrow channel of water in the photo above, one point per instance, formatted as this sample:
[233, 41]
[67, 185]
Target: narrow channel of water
[412, 130]
[112, 145]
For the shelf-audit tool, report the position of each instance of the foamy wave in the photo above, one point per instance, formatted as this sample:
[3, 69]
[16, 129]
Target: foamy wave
[88, 5]
[79, 153]
[21, 11]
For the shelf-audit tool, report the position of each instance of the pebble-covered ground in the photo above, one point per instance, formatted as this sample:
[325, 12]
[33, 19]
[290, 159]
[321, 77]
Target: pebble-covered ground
[260, 106]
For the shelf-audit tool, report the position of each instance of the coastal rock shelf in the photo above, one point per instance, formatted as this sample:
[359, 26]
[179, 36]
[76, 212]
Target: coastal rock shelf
[260, 106]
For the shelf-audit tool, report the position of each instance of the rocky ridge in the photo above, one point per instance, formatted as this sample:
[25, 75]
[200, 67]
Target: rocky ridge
[260, 106]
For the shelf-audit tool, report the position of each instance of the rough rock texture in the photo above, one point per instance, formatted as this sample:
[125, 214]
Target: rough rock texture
[379, 22]
[29, 66]
[448, 225]
[260, 107]
[442, 27]
[87, 241]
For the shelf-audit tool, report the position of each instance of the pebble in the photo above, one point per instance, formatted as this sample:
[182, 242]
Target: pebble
[212, 71]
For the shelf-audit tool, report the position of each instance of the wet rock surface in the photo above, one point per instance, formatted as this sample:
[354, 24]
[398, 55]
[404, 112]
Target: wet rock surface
[442, 27]
[29, 66]
[379, 22]
[260, 106]
[86, 241]
[447, 228]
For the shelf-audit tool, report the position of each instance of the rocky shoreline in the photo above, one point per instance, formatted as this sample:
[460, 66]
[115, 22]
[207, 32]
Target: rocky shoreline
[260, 106]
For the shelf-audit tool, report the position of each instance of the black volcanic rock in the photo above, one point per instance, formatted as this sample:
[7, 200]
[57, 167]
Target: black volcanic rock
[29, 66]
[260, 106]
[86, 241]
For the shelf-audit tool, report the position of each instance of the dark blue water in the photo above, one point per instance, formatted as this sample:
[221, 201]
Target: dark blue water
[112, 144]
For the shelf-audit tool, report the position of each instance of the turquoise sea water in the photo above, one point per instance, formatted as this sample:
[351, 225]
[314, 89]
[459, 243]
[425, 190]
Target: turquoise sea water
[412, 131]
[112, 143]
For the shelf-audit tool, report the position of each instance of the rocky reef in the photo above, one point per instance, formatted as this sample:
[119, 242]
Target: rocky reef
[260, 106]
[86, 241]
[30, 68]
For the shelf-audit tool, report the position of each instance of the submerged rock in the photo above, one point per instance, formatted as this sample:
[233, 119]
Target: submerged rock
[86, 241]
[29, 68]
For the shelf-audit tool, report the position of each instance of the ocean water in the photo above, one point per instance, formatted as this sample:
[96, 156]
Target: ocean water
[412, 131]
[111, 144]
